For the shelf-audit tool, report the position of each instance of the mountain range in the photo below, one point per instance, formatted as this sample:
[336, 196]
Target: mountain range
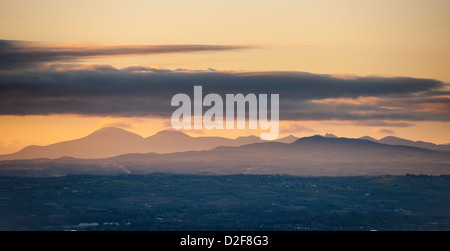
[110, 142]
[391, 140]
[309, 156]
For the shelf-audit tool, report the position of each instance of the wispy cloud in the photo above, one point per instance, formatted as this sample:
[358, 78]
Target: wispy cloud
[22, 54]
[294, 127]
[382, 131]
[372, 123]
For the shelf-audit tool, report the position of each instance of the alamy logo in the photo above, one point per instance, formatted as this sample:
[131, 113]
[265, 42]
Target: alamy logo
[235, 105]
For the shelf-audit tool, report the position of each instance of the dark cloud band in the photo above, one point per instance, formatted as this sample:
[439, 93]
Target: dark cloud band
[142, 91]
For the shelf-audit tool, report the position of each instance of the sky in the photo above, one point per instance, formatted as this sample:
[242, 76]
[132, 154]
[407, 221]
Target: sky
[350, 67]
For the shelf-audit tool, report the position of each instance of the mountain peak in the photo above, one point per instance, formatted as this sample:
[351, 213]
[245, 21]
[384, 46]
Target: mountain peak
[329, 135]
[311, 138]
[392, 137]
[288, 139]
[112, 131]
[109, 130]
[369, 138]
[171, 134]
[391, 140]
[332, 140]
[248, 137]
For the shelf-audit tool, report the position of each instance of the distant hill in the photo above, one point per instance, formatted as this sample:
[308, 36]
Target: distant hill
[103, 143]
[310, 156]
[329, 135]
[391, 140]
[109, 142]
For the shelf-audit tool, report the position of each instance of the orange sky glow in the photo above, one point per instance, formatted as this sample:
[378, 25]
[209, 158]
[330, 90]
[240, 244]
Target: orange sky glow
[344, 39]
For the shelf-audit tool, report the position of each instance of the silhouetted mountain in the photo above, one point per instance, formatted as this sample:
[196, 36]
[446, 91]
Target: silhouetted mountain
[319, 148]
[369, 138]
[103, 143]
[289, 139]
[391, 140]
[311, 156]
[109, 142]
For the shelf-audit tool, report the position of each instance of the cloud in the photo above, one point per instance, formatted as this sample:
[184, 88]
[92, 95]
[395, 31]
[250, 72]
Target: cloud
[294, 127]
[382, 131]
[8, 146]
[21, 54]
[146, 91]
[372, 123]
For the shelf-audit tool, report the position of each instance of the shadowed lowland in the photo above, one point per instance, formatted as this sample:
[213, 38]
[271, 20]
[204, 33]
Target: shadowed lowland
[310, 156]
[236, 202]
